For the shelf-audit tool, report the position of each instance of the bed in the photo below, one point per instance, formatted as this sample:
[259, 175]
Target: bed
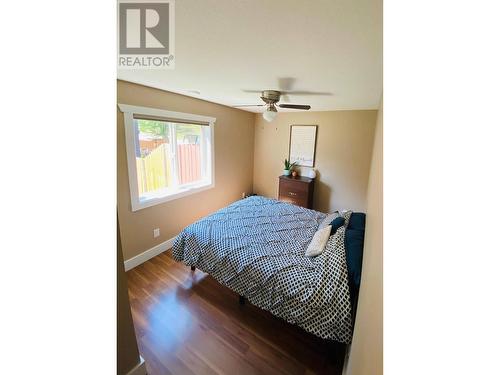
[256, 247]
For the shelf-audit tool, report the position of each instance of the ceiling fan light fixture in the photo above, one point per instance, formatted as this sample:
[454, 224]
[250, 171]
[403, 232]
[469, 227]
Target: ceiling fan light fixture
[270, 113]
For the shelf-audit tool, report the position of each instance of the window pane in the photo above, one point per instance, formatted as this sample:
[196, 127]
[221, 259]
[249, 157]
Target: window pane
[153, 157]
[189, 156]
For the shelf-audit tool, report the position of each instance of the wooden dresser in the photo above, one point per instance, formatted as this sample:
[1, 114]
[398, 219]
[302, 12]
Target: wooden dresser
[296, 190]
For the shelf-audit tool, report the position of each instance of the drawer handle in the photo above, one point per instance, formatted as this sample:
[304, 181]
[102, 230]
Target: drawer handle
[292, 193]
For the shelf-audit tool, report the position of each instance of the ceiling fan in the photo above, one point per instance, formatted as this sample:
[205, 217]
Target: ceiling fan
[271, 98]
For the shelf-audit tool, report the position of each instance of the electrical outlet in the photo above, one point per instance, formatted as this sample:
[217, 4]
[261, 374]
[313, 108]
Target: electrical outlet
[156, 232]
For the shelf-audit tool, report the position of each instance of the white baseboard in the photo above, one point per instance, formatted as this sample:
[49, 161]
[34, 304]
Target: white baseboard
[148, 254]
[140, 369]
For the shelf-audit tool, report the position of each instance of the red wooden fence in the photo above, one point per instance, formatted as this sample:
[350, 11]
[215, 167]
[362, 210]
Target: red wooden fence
[189, 163]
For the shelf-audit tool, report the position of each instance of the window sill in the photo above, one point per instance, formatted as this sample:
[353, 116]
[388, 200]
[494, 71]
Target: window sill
[144, 203]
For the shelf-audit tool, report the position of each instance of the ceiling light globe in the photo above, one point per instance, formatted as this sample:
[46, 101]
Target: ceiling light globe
[269, 115]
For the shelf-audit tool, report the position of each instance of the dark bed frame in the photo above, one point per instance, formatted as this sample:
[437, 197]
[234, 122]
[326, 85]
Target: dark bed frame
[241, 298]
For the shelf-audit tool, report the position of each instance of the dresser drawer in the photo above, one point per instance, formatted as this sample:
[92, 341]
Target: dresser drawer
[298, 191]
[293, 186]
[296, 201]
[293, 194]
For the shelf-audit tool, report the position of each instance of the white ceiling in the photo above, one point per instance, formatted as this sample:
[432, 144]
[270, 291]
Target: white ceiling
[225, 46]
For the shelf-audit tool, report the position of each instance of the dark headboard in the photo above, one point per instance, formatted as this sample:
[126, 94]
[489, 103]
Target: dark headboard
[354, 241]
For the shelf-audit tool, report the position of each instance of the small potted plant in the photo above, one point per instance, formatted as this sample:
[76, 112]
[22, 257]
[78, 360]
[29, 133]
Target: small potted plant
[288, 167]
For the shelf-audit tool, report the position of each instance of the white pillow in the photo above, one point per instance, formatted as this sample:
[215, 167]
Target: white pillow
[327, 220]
[319, 241]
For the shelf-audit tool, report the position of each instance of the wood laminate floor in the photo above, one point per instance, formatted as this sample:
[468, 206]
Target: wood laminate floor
[187, 323]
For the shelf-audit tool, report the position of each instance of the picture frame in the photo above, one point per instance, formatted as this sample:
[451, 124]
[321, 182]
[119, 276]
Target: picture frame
[302, 145]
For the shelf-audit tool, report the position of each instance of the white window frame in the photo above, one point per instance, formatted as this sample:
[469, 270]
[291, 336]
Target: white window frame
[128, 113]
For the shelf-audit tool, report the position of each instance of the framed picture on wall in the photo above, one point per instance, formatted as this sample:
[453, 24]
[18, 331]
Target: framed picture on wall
[302, 148]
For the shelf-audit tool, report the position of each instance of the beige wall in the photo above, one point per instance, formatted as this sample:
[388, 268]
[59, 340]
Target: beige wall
[366, 356]
[343, 155]
[234, 143]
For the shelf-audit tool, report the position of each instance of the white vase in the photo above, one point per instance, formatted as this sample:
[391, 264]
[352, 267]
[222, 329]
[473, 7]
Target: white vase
[311, 173]
[286, 172]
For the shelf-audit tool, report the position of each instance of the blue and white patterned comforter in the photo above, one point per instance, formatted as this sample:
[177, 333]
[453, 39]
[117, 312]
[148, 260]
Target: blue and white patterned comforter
[256, 247]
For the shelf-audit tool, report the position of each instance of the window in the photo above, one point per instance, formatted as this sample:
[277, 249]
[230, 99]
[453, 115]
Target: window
[169, 154]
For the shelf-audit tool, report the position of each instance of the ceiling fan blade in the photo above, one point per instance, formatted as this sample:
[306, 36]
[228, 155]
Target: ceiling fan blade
[249, 105]
[295, 106]
[286, 83]
[253, 91]
[305, 93]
